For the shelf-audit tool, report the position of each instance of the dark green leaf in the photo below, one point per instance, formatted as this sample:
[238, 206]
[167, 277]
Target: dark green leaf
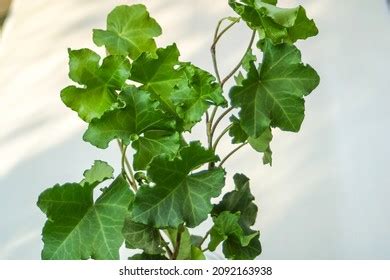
[79, 228]
[260, 144]
[226, 226]
[130, 31]
[277, 24]
[179, 195]
[140, 236]
[273, 94]
[145, 256]
[100, 83]
[239, 200]
[235, 251]
[236, 210]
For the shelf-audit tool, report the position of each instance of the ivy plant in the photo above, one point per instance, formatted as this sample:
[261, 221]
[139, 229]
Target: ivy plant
[143, 96]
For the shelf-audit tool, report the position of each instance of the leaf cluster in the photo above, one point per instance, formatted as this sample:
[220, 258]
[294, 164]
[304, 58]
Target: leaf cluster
[144, 97]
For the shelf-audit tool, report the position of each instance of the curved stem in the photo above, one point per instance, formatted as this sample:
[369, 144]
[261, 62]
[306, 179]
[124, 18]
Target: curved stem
[214, 112]
[231, 153]
[125, 162]
[217, 37]
[219, 120]
[221, 135]
[242, 59]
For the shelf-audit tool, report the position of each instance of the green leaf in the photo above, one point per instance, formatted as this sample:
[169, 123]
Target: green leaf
[273, 94]
[260, 144]
[226, 226]
[197, 253]
[194, 98]
[159, 75]
[130, 31]
[239, 203]
[239, 200]
[280, 25]
[140, 236]
[236, 132]
[100, 83]
[235, 251]
[79, 228]
[179, 195]
[154, 143]
[145, 256]
[187, 250]
[139, 115]
[99, 172]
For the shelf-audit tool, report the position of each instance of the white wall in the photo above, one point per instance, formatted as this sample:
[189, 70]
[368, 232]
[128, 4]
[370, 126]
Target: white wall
[326, 196]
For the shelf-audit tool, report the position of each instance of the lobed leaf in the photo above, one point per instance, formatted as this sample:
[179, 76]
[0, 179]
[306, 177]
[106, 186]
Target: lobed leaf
[195, 94]
[79, 228]
[273, 94]
[233, 217]
[100, 83]
[280, 25]
[179, 195]
[139, 121]
[140, 236]
[130, 31]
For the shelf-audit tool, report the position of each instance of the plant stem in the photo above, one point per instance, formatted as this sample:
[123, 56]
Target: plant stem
[227, 111]
[204, 238]
[213, 50]
[125, 162]
[177, 243]
[211, 123]
[165, 244]
[221, 135]
[231, 153]
[242, 59]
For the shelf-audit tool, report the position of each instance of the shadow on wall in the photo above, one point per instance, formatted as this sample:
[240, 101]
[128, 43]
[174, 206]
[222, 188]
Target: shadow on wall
[4, 8]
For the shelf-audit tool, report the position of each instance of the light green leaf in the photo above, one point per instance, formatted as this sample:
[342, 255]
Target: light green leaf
[99, 172]
[100, 83]
[280, 25]
[79, 228]
[140, 236]
[196, 93]
[226, 226]
[139, 115]
[130, 31]
[273, 94]
[154, 143]
[197, 254]
[179, 195]
[159, 75]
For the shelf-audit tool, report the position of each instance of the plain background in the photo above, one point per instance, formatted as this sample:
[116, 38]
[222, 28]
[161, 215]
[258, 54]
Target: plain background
[327, 194]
